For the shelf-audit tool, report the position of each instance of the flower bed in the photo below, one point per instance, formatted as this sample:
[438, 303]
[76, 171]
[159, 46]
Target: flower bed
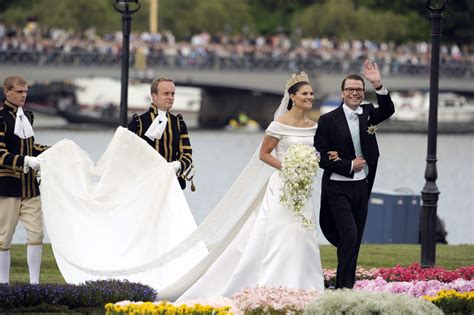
[66, 297]
[453, 302]
[410, 273]
[371, 291]
[162, 308]
[414, 288]
[416, 272]
[264, 300]
[353, 302]
[361, 274]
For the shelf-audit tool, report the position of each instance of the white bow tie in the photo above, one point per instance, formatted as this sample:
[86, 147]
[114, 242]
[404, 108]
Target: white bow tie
[23, 128]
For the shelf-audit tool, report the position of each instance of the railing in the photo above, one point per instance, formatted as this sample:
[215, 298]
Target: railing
[237, 63]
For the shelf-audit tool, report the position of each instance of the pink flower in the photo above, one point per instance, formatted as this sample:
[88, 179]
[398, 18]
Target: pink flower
[266, 299]
[414, 288]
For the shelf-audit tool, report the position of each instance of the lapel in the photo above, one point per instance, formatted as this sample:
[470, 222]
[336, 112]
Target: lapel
[363, 119]
[343, 127]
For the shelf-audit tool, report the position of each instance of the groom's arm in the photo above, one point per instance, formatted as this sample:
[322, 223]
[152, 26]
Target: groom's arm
[322, 142]
[384, 111]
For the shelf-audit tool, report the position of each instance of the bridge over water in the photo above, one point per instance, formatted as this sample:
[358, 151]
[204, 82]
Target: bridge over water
[228, 92]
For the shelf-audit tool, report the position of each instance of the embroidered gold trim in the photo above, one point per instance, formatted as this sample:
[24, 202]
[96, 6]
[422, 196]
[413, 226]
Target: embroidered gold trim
[9, 173]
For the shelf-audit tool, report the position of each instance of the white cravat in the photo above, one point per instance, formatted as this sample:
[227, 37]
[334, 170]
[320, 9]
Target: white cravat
[157, 127]
[23, 128]
[355, 113]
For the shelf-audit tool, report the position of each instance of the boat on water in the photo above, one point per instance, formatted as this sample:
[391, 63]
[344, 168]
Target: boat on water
[97, 100]
[455, 112]
[43, 97]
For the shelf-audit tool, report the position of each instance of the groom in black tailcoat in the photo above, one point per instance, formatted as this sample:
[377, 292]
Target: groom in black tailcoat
[347, 181]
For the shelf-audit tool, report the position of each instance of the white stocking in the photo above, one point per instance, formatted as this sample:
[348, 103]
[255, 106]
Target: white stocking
[33, 256]
[4, 266]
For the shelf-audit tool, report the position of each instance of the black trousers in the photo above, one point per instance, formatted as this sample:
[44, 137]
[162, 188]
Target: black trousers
[348, 201]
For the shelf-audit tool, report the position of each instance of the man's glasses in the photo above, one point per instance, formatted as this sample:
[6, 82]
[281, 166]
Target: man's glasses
[352, 90]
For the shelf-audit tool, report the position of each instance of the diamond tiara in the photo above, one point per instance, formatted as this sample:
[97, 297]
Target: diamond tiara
[295, 78]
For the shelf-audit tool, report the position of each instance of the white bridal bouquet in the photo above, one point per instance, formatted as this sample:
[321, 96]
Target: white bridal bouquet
[299, 167]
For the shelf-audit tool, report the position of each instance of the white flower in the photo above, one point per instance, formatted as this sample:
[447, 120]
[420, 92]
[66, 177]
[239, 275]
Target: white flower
[299, 167]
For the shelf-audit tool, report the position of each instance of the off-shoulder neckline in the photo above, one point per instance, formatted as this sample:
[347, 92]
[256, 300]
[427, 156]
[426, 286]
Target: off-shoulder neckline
[279, 123]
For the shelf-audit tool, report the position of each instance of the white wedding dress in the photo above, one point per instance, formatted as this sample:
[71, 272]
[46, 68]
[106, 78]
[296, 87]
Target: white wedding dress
[116, 218]
[127, 218]
[273, 249]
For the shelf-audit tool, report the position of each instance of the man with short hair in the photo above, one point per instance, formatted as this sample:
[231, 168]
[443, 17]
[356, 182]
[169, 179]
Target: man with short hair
[19, 191]
[347, 181]
[165, 132]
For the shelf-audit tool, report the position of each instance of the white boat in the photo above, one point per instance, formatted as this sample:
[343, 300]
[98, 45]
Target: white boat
[455, 112]
[97, 100]
[414, 106]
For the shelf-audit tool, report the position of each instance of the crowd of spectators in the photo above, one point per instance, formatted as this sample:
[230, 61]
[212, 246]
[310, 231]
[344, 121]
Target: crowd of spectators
[34, 45]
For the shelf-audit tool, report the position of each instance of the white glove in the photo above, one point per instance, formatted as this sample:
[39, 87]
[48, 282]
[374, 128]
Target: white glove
[176, 165]
[31, 162]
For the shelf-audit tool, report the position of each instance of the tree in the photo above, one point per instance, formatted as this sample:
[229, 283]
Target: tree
[343, 19]
[399, 21]
[77, 15]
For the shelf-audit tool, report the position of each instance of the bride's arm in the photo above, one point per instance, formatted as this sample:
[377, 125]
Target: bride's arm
[268, 144]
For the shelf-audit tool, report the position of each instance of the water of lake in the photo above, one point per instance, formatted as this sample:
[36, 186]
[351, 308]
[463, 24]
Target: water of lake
[221, 155]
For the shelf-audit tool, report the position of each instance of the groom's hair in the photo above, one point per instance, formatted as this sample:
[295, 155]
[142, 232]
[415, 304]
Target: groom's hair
[154, 84]
[352, 77]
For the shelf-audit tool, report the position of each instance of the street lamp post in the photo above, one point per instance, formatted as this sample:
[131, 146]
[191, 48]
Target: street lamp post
[127, 8]
[430, 191]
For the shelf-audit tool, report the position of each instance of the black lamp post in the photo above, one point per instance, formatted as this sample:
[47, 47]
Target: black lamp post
[430, 191]
[127, 8]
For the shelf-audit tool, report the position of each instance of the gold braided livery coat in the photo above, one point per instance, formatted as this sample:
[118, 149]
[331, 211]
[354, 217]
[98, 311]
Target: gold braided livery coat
[13, 182]
[174, 144]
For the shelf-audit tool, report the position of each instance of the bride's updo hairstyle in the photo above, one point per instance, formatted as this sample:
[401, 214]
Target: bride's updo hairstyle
[293, 85]
[292, 90]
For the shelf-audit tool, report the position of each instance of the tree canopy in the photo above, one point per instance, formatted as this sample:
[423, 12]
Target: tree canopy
[381, 20]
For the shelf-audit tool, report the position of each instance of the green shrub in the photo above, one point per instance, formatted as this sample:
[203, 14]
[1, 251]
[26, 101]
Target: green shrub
[360, 302]
[22, 297]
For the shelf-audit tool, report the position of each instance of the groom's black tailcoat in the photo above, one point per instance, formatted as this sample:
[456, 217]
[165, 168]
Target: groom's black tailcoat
[333, 134]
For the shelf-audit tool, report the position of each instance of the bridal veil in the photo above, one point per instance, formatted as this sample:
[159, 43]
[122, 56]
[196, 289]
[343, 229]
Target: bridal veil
[127, 218]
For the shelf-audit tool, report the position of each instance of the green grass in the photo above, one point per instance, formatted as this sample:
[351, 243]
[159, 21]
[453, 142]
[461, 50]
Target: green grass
[447, 256]
[389, 255]
[19, 267]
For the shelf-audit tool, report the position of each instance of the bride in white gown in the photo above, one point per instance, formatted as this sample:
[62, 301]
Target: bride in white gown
[275, 250]
[279, 251]
[127, 218]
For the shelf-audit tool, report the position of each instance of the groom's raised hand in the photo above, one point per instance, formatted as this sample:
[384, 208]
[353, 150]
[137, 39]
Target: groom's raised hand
[372, 74]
